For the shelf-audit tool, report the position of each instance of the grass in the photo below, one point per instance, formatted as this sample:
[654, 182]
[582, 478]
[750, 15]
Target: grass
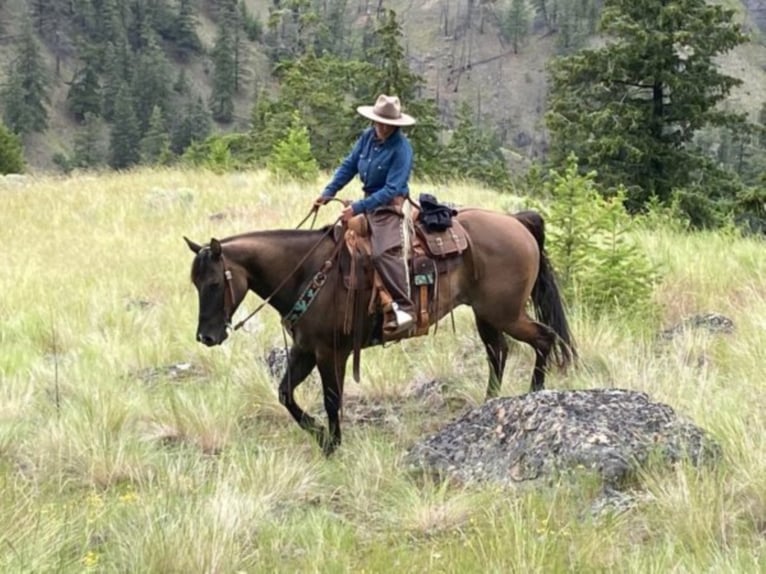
[126, 446]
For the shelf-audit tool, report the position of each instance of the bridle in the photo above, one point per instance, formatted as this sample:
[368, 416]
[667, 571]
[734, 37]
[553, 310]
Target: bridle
[228, 310]
[229, 283]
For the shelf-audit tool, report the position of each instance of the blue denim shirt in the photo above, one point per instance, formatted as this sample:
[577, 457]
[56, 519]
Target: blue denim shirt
[383, 168]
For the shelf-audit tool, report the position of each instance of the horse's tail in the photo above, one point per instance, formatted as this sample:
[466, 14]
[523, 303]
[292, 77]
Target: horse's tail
[546, 297]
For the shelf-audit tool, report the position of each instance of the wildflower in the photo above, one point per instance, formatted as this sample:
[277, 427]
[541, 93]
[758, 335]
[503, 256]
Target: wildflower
[90, 560]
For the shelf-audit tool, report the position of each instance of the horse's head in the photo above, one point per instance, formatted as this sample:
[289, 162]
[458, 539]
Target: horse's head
[220, 291]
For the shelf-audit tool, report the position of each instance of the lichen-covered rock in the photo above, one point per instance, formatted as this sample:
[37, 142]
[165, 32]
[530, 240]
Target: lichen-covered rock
[713, 323]
[514, 439]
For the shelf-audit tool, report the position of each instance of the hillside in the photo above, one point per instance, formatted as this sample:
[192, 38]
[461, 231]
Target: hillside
[455, 45]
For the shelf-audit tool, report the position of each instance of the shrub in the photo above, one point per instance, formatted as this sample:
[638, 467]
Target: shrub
[11, 154]
[291, 157]
[599, 264]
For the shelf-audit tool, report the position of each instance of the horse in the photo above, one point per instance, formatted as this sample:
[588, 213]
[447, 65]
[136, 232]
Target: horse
[504, 268]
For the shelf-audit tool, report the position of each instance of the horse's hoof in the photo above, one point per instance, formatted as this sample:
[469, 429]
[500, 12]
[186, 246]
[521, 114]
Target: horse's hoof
[329, 448]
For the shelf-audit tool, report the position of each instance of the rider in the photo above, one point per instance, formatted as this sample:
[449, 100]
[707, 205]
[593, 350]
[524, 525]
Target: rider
[382, 156]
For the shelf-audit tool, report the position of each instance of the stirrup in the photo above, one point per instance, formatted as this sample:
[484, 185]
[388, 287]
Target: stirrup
[403, 321]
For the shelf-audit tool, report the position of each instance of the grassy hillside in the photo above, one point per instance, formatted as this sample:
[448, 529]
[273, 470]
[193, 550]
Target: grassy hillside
[127, 446]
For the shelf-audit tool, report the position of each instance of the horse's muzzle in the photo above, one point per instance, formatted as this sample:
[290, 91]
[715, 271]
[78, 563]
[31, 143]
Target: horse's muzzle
[210, 340]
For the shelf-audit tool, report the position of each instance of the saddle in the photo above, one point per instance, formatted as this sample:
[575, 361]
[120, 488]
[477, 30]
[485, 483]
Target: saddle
[430, 255]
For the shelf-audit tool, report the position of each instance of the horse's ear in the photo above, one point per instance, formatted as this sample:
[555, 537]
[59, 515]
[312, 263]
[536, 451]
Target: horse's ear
[215, 248]
[193, 246]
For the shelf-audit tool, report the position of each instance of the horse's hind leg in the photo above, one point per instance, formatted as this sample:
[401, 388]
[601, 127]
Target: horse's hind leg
[497, 353]
[299, 365]
[541, 338]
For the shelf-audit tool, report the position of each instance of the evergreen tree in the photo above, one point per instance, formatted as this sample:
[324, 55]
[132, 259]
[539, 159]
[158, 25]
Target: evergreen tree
[225, 67]
[151, 85]
[11, 153]
[515, 24]
[314, 86]
[181, 85]
[155, 145]
[84, 96]
[124, 139]
[631, 108]
[250, 24]
[475, 154]
[332, 35]
[48, 17]
[184, 31]
[87, 143]
[293, 26]
[84, 19]
[26, 92]
[108, 25]
[117, 71]
[291, 157]
[599, 263]
[390, 74]
[192, 125]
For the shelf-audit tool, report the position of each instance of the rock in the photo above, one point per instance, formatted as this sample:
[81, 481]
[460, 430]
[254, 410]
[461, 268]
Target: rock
[713, 323]
[612, 432]
[276, 361]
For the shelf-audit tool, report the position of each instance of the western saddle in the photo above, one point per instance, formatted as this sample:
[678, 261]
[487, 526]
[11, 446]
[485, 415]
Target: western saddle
[429, 254]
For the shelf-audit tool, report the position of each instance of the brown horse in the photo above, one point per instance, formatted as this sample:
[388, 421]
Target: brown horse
[503, 268]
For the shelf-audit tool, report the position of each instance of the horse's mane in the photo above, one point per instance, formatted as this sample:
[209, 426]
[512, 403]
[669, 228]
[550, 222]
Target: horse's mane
[278, 234]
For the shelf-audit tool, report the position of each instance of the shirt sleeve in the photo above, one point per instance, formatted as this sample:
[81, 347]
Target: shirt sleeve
[396, 182]
[348, 168]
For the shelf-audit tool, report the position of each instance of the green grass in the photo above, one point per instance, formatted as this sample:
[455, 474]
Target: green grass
[112, 461]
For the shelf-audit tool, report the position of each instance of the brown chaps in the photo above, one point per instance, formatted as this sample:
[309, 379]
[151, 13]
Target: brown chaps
[387, 235]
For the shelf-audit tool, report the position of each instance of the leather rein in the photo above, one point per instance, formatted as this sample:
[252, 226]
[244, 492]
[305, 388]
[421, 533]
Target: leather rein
[308, 293]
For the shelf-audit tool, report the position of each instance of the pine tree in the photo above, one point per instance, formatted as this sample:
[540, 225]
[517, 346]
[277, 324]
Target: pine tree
[192, 125]
[475, 154]
[48, 17]
[225, 67]
[108, 25]
[391, 73]
[117, 71]
[11, 153]
[155, 145]
[515, 24]
[313, 87]
[291, 157]
[26, 91]
[84, 96]
[124, 138]
[631, 108]
[87, 144]
[184, 32]
[151, 84]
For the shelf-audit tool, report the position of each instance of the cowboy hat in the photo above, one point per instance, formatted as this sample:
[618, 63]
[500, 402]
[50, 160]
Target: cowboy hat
[387, 110]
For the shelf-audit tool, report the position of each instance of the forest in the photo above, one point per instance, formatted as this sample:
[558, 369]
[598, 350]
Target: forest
[228, 85]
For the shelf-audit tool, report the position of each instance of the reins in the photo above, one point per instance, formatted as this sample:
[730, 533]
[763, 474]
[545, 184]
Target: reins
[314, 210]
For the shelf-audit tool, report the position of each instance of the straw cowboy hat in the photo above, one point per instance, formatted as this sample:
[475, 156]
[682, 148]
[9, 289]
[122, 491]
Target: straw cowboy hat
[387, 110]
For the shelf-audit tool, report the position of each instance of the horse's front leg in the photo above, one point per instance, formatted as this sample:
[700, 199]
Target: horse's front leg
[332, 369]
[299, 365]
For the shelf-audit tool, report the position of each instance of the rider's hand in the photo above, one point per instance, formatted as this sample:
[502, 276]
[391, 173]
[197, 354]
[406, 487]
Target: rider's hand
[347, 213]
[320, 201]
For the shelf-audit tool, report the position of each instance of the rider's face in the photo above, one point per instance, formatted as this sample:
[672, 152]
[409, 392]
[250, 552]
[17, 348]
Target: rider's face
[382, 131]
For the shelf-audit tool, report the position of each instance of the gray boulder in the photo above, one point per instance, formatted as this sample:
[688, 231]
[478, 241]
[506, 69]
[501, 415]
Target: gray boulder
[514, 439]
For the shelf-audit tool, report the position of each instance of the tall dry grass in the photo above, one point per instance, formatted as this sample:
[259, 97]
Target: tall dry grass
[127, 447]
